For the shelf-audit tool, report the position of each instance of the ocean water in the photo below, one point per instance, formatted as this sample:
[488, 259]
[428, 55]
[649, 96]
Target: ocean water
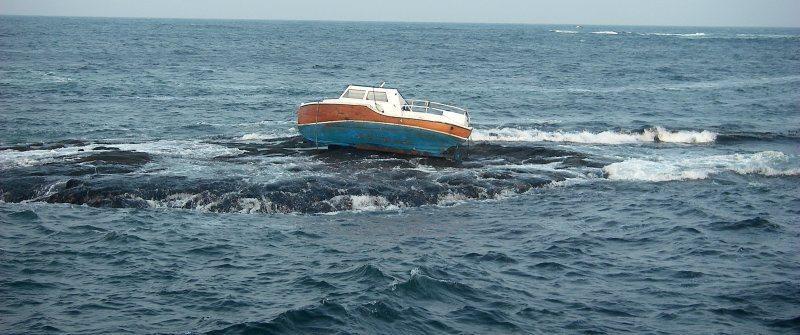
[620, 180]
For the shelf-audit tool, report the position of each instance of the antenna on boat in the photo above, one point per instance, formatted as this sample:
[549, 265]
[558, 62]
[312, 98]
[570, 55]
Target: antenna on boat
[382, 83]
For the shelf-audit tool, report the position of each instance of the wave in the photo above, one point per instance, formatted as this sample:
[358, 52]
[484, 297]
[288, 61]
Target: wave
[677, 34]
[260, 136]
[21, 157]
[564, 31]
[231, 197]
[756, 223]
[334, 181]
[349, 180]
[365, 273]
[766, 36]
[180, 149]
[686, 35]
[421, 285]
[719, 36]
[363, 203]
[686, 86]
[766, 163]
[657, 134]
[324, 317]
[758, 136]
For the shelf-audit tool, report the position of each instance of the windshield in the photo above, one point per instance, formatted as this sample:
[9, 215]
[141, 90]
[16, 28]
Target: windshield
[354, 94]
[377, 96]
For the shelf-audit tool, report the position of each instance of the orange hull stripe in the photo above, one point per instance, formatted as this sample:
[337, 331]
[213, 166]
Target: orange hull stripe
[334, 112]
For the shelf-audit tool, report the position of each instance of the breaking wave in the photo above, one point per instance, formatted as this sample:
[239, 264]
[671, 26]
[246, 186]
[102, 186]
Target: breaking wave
[678, 34]
[256, 137]
[767, 163]
[657, 134]
[303, 180]
[695, 35]
[35, 155]
[185, 174]
[266, 136]
[766, 36]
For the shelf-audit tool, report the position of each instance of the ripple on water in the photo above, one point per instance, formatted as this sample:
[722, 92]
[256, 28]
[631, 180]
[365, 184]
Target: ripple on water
[366, 274]
[756, 223]
[491, 256]
[27, 215]
[323, 317]
[421, 286]
[491, 321]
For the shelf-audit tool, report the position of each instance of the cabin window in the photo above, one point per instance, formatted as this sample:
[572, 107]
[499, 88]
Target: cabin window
[378, 96]
[354, 94]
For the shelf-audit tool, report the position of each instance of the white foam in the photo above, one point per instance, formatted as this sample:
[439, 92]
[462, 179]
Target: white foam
[571, 181]
[605, 32]
[12, 158]
[564, 31]
[168, 148]
[180, 149]
[682, 136]
[363, 203]
[678, 35]
[259, 136]
[370, 203]
[605, 137]
[757, 36]
[767, 163]
[265, 123]
[251, 205]
[57, 79]
[452, 199]
[177, 200]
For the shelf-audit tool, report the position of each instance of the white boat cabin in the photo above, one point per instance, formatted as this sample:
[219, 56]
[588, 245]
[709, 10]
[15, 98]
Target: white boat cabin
[388, 101]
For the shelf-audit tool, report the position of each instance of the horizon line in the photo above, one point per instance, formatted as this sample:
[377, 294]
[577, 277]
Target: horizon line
[374, 21]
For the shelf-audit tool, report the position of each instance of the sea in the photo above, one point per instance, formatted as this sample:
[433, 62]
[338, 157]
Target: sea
[620, 179]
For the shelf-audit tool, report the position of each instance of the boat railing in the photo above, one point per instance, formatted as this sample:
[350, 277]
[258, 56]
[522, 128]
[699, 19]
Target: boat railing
[425, 106]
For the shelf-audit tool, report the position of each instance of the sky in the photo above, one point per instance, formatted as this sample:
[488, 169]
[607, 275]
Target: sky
[751, 13]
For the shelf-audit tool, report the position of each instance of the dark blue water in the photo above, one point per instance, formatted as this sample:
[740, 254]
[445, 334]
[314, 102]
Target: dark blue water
[620, 180]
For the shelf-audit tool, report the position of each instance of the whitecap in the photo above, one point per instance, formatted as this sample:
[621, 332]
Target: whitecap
[605, 32]
[766, 36]
[13, 158]
[678, 34]
[180, 149]
[259, 136]
[167, 148]
[452, 199]
[363, 203]
[564, 31]
[766, 163]
[683, 136]
[605, 137]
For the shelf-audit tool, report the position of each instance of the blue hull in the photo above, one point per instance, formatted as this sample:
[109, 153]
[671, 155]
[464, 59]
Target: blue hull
[384, 137]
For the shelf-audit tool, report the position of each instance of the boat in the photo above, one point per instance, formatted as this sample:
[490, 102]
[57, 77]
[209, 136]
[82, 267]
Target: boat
[380, 119]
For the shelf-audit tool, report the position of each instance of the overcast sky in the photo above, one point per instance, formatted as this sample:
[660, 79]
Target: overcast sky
[781, 13]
